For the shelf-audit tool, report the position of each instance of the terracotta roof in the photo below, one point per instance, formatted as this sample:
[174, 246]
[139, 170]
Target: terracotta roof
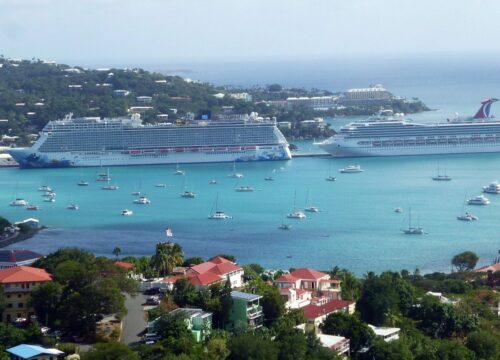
[171, 279]
[224, 268]
[23, 274]
[287, 278]
[315, 311]
[219, 260]
[308, 274]
[494, 267]
[15, 256]
[219, 266]
[124, 265]
[205, 279]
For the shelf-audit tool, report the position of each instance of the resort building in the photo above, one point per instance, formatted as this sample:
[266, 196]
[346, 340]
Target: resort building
[34, 352]
[199, 322]
[144, 99]
[372, 95]
[387, 333]
[17, 284]
[317, 311]
[20, 257]
[242, 96]
[216, 270]
[316, 102]
[310, 283]
[121, 93]
[246, 311]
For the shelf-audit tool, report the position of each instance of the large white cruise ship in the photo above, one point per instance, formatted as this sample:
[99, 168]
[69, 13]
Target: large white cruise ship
[127, 141]
[389, 134]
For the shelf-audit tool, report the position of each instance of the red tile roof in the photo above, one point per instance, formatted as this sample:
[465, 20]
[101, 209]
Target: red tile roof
[315, 311]
[287, 278]
[124, 265]
[308, 274]
[21, 274]
[220, 260]
[493, 267]
[218, 265]
[205, 279]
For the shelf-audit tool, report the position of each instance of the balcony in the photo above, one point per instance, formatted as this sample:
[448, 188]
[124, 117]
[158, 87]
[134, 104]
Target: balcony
[254, 312]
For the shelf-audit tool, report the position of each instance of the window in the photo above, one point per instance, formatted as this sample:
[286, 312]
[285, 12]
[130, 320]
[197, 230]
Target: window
[20, 305]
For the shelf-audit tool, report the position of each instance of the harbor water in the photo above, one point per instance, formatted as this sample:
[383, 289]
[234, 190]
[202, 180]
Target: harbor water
[356, 228]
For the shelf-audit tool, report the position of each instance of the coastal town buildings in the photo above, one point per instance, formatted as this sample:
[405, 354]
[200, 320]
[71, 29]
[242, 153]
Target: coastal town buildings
[338, 343]
[246, 311]
[17, 284]
[317, 311]
[388, 334]
[315, 102]
[372, 95]
[199, 322]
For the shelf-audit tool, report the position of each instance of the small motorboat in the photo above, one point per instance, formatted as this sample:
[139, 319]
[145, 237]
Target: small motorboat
[351, 169]
[127, 212]
[72, 207]
[142, 200]
[19, 202]
[244, 189]
[83, 183]
[219, 215]
[33, 207]
[188, 194]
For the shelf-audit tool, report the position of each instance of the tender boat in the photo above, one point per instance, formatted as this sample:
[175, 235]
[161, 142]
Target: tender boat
[188, 194]
[142, 200]
[19, 202]
[441, 178]
[244, 189]
[313, 209]
[398, 210]
[83, 183]
[136, 193]
[45, 188]
[351, 169]
[32, 207]
[269, 178]
[103, 177]
[331, 178]
[127, 212]
[284, 227]
[50, 199]
[49, 194]
[219, 215]
[467, 217]
[72, 207]
[212, 182]
[492, 188]
[478, 200]
[161, 185]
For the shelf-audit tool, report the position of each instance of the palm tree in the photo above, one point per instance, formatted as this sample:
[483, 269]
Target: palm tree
[117, 251]
[167, 256]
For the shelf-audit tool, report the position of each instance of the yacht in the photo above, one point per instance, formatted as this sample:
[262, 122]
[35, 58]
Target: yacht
[478, 200]
[50, 199]
[161, 185]
[219, 215]
[269, 178]
[136, 193]
[412, 230]
[19, 202]
[467, 217]
[441, 177]
[142, 200]
[351, 169]
[45, 188]
[49, 194]
[311, 209]
[212, 182]
[492, 188]
[83, 183]
[72, 207]
[244, 189]
[32, 207]
[103, 176]
[331, 178]
[398, 210]
[127, 212]
[188, 194]
[284, 227]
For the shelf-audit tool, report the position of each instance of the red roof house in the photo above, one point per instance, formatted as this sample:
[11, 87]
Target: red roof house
[23, 274]
[317, 313]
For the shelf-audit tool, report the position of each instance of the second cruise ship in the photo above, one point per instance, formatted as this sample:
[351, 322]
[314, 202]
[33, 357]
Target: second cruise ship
[127, 141]
[388, 134]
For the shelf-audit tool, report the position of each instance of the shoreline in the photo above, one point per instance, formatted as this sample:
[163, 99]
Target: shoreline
[20, 237]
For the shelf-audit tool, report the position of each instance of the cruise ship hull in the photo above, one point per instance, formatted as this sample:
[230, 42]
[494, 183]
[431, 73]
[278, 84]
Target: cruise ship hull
[340, 148]
[28, 158]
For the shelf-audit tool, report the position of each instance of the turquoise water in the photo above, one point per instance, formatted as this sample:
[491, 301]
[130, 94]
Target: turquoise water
[357, 227]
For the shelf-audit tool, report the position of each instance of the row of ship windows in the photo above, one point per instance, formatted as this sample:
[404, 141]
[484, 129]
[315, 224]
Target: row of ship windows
[429, 142]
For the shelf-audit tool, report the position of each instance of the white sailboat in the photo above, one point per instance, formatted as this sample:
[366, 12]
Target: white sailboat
[412, 230]
[109, 186]
[440, 177]
[217, 214]
[295, 214]
[309, 207]
[235, 174]
[178, 171]
[283, 225]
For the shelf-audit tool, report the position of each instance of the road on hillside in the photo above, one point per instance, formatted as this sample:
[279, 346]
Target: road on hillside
[134, 322]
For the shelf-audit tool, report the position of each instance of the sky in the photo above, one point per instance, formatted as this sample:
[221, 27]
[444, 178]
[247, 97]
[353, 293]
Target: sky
[207, 30]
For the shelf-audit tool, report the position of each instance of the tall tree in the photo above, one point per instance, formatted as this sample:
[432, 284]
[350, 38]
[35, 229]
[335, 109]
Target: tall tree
[465, 261]
[167, 256]
[351, 327]
[117, 251]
